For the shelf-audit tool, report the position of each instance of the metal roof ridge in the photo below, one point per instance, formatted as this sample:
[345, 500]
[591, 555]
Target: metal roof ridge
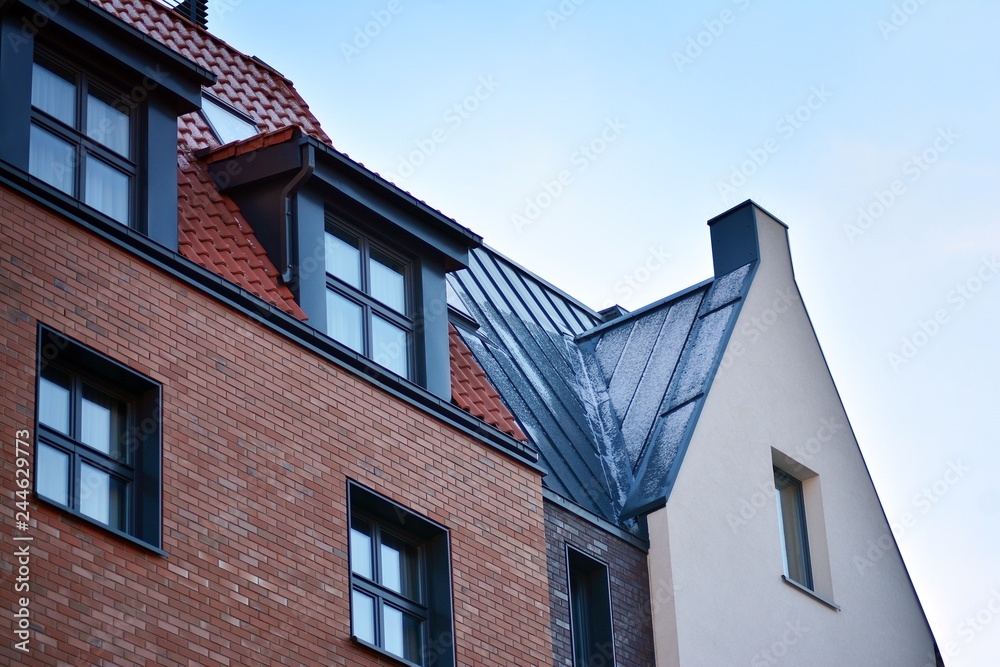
[659, 303]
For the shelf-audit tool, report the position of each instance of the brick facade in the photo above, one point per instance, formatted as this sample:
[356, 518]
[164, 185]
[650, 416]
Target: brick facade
[259, 439]
[629, 579]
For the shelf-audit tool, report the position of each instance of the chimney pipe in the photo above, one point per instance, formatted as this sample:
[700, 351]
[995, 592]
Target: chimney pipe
[195, 10]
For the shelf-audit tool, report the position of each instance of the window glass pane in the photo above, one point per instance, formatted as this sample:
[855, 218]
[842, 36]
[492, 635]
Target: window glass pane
[343, 257]
[363, 616]
[51, 159]
[387, 282]
[227, 125]
[792, 529]
[361, 549]
[53, 94]
[52, 474]
[102, 497]
[402, 633]
[107, 190]
[53, 405]
[108, 125]
[343, 321]
[389, 346]
[399, 566]
[100, 422]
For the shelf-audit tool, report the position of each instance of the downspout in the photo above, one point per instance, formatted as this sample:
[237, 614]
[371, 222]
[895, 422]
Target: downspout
[308, 162]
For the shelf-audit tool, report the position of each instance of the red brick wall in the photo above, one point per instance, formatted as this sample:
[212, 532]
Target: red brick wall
[259, 437]
[629, 578]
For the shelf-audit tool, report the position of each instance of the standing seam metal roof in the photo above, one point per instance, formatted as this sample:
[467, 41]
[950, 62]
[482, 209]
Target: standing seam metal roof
[610, 406]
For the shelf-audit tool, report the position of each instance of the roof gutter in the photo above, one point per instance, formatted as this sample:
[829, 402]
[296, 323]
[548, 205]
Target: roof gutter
[288, 193]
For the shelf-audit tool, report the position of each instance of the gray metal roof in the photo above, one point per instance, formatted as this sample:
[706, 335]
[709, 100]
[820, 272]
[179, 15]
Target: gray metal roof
[610, 406]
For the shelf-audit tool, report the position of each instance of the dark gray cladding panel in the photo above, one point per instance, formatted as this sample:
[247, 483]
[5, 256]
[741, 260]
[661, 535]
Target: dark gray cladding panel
[609, 405]
[727, 288]
[649, 491]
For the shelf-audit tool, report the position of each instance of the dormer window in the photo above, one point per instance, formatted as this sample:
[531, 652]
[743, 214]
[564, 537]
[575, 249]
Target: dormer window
[80, 140]
[90, 107]
[227, 123]
[367, 298]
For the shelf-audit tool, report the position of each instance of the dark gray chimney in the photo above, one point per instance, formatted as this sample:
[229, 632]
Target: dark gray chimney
[734, 238]
[195, 10]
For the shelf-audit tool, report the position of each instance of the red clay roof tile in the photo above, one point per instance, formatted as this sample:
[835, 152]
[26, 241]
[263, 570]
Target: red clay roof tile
[472, 391]
[212, 232]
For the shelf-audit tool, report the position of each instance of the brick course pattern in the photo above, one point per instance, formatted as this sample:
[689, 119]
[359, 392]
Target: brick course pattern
[259, 438]
[629, 577]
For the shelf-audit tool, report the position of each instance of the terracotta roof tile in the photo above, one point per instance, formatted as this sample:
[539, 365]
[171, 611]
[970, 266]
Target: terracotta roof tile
[472, 391]
[214, 234]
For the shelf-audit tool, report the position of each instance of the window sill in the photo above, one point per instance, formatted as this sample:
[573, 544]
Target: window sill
[810, 593]
[97, 524]
[382, 653]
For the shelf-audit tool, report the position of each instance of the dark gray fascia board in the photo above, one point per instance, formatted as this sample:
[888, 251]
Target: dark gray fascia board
[337, 173]
[431, 215]
[277, 320]
[129, 46]
[548, 495]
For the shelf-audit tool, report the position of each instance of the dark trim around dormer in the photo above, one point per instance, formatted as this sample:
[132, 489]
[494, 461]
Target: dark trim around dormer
[299, 333]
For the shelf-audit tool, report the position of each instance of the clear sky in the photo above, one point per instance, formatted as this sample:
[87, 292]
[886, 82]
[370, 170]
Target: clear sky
[590, 141]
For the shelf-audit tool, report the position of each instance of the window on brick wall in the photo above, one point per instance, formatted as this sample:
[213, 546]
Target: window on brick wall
[590, 611]
[368, 298]
[98, 449]
[400, 581]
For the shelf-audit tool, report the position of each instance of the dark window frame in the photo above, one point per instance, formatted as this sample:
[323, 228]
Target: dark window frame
[86, 76]
[362, 297]
[588, 586]
[783, 480]
[433, 551]
[141, 462]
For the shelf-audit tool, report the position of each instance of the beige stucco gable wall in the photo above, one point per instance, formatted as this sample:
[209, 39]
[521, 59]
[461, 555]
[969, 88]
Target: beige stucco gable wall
[715, 554]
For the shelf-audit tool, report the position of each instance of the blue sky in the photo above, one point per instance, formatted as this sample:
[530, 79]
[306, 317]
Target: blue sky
[590, 141]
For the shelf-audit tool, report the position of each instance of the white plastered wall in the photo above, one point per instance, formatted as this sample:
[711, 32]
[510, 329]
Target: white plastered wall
[715, 554]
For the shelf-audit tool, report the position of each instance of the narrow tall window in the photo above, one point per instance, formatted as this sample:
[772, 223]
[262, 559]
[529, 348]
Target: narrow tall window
[792, 528]
[81, 138]
[97, 453]
[400, 589]
[367, 299]
[590, 611]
